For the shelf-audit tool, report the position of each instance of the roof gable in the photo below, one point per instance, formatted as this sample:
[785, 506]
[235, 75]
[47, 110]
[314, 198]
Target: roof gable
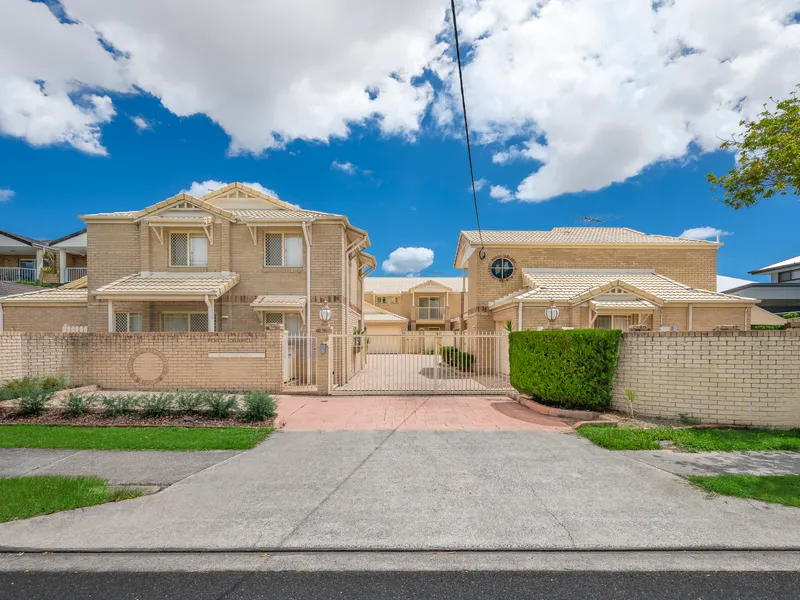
[242, 197]
[182, 202]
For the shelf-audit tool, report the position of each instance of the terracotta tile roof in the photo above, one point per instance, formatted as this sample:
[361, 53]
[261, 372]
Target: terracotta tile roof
[578, 235]
[623, 304]
[398, 285]
[263, 302]
[575, 285]
[165, 284]
[374, 314]
[9, 288]
[280, 215]
[49, 295]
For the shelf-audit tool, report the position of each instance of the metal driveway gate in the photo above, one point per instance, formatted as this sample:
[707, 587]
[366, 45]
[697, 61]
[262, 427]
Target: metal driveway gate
[419, 363]
[299, 363]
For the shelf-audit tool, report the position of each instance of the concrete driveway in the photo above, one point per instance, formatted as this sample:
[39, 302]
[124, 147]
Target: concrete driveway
[419, 490]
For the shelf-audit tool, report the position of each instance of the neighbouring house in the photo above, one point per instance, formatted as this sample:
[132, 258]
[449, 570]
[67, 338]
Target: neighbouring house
[426, 303]
[597, 277]
[781, 294]
[63, 308]
[55, 261]
[234, 260]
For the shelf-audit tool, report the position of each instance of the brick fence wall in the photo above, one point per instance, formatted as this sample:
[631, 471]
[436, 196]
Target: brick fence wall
[731, 378]
[149, 361]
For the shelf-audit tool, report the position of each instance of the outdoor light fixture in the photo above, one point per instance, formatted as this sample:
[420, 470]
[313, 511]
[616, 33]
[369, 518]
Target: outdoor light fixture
[325, 314]
[552, 313]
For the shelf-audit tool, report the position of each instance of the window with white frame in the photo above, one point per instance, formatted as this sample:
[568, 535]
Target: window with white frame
[621, 322]
[292, 322]
[184, 322]
[188, 250]
[125, 322]
[283, 250]
[789, 276]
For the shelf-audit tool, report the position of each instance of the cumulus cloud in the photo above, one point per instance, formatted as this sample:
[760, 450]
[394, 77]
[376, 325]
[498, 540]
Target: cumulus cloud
[601, 89]
[479, 184]
[407, 261]
[201, 188]
[49, 72]
[501, 193]
[703, 233]
[6, 195]
[345, 167]
[141, 123]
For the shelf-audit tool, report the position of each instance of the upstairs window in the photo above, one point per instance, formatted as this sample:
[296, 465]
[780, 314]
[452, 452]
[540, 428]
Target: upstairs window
[502, 269]
[789, 276]
[283, 250]
[188, 250]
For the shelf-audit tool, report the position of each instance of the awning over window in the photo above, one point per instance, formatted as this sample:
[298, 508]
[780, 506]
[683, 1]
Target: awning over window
[622, 305]
[168, 287]
[279, 303]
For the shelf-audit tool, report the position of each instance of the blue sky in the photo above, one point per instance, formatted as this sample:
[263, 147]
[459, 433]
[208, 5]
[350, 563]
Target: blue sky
[416, 193]
[622, 121]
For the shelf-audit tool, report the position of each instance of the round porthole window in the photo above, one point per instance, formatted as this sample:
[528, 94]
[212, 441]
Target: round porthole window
[502, 268]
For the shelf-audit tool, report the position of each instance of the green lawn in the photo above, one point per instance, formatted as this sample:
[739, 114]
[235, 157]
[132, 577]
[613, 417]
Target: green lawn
[65, 437]
[778, 489]
[25, 497]
[693, 440]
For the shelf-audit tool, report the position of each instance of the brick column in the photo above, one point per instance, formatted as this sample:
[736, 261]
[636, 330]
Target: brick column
[323, 361]
[225, 246]
[274, 353]
[144, 247]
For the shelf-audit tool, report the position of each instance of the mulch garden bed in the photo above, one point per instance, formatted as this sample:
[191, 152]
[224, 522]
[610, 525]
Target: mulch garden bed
[58, 417]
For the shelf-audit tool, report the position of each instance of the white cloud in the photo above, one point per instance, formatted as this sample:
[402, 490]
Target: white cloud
[356, 61]
[141, 123]
[479, 184]
[201, 188]
[609, 87]
[48, 71]
[345, 167]
[406, 261]
[6, 195]
[703, 233]
[501, 193]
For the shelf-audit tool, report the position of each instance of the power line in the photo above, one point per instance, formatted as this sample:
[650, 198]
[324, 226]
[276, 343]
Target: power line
[482, 253]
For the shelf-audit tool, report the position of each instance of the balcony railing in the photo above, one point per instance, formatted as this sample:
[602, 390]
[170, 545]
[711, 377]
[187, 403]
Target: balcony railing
[17, 274]
[74, 273]
[430, 313]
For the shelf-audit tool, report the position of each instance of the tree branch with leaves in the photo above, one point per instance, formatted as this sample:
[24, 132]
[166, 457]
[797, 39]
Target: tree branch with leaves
[767, 156]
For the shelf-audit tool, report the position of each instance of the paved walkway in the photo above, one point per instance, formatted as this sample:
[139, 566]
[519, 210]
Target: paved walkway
[718, 463]
[490, 413]
[119, 468]
[419, 490]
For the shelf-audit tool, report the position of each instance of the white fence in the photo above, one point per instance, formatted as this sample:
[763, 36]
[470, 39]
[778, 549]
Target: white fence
[17, 274]
[74, 329]
[427, 363]
[299, 362]
[74, 273]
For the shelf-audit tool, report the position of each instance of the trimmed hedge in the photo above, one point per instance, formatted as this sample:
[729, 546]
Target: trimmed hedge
[455, 358]
[568, 369]
[767, 327]
[791, 315]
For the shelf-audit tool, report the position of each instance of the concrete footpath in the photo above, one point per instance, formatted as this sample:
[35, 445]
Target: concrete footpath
[419, 490]
[720, 463]
[118, 468]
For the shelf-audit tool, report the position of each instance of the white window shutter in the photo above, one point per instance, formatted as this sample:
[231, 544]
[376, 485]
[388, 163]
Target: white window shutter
[199, 250]
[293, 250]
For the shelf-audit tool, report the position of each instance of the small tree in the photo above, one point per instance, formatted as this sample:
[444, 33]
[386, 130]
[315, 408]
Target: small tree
[767, 156]
[633, 397]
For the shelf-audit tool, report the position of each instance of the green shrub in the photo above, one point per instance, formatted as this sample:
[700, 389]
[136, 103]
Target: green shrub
[31, 385]
[157, 405]
[115, 406]
[79, 404]
[258, 406]
[768, 327]
[220, 406]
[455, 358]
[189, 402]
[570, 369]
[33, 404]
[791, 315]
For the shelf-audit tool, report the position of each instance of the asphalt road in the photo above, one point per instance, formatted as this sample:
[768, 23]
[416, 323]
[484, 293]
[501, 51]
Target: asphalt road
[482, 585]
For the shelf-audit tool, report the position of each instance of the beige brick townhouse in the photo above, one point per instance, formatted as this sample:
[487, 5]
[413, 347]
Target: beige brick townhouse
[234, 260]
[424, 303]
[598, 277]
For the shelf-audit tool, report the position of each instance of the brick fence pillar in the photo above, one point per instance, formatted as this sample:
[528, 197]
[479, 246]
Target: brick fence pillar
[323, 361]
[275, 358]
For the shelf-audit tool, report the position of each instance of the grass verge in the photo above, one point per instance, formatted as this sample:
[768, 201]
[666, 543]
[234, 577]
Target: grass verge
[693, 440]
[131, 438]
[777, 489]
[25, 497]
